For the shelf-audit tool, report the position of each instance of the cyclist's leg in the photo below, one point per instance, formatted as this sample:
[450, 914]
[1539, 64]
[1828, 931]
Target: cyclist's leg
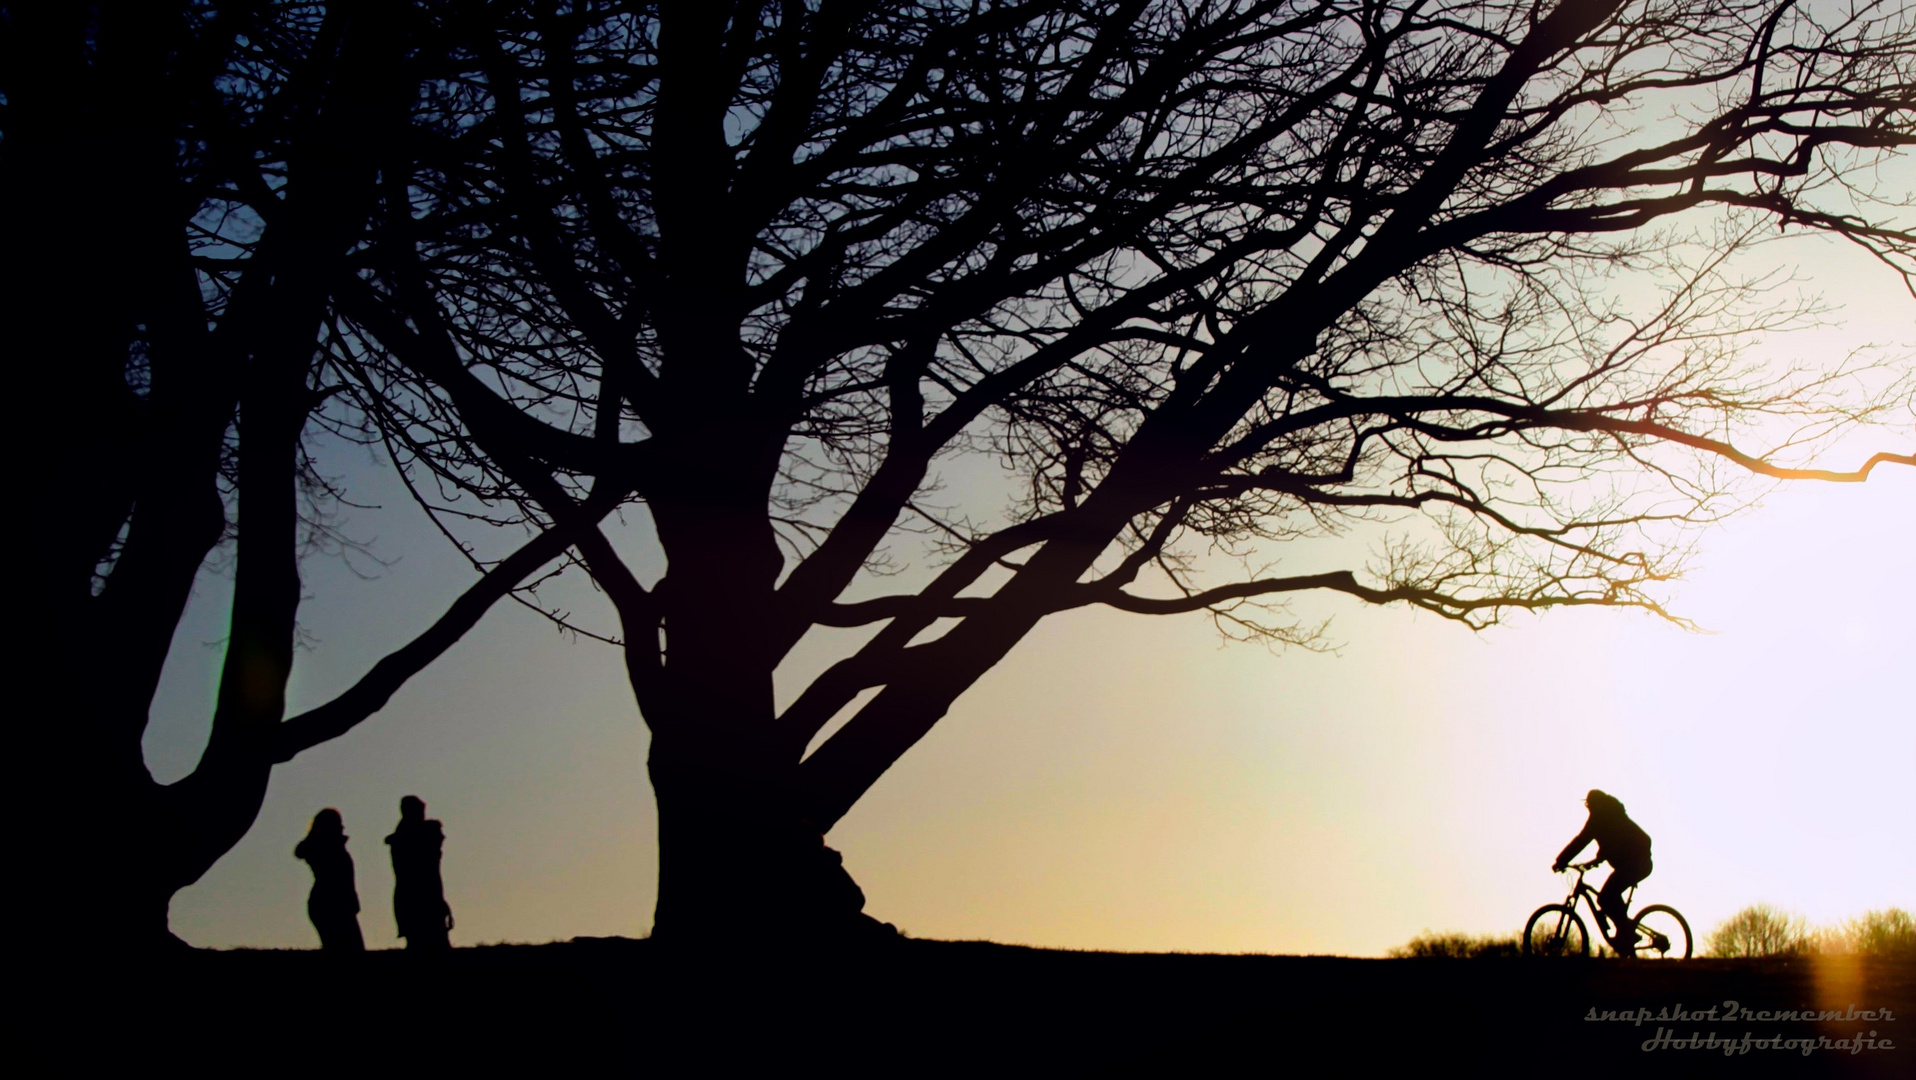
[1610, 901]
[1604, 925]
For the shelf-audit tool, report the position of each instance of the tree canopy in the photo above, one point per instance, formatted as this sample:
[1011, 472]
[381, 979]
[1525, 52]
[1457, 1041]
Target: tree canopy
[1206, 276]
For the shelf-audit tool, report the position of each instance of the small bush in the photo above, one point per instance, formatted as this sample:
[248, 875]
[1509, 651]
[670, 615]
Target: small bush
[1761, 930]
[1456, 946]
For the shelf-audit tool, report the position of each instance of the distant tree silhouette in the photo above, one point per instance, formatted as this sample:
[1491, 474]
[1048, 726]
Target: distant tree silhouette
[1888, 932]
[1760, 930]
[1206, 277]
[183, 184]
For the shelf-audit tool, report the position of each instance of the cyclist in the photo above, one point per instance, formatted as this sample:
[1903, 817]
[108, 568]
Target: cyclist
[1625, 845]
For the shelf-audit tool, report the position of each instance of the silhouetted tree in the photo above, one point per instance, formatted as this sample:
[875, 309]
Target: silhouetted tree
[183, 183]
[1760, 930]
[1214, 274]
[1888, 932]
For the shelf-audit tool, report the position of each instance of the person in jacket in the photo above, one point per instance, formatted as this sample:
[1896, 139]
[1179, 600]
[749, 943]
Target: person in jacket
[1626, 847]
[333, 905]
[419, 896]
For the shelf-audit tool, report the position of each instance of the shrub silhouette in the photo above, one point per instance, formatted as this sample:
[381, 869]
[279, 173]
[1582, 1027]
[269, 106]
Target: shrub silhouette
[1760, 930]
[1456, 946]
[1889, 932]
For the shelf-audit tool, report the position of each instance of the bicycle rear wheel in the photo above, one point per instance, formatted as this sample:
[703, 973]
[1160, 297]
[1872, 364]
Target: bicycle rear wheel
[1555, 931]
[1662, 934]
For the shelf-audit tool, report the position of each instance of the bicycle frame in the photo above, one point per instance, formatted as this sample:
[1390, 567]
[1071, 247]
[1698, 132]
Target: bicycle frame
[1588, 893]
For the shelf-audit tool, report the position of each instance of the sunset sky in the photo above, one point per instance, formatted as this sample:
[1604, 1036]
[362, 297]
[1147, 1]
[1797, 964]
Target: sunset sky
[1125, 782]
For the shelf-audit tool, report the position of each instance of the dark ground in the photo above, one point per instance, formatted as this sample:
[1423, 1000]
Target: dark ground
[927, 1008]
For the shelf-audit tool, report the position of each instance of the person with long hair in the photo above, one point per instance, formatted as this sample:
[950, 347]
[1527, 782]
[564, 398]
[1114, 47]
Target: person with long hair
[333, 905]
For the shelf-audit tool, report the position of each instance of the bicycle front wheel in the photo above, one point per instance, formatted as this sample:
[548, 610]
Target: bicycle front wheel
[1662, 934]
[1556, 931]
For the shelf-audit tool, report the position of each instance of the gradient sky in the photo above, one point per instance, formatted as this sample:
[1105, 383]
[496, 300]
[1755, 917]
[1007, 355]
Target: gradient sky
[1125, 782]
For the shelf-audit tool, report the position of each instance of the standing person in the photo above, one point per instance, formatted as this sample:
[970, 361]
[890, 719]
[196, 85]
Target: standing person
[1626, 847]
[333, 905]
[419, 896]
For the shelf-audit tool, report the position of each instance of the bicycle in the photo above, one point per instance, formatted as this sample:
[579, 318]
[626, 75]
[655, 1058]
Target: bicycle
[1661, 932]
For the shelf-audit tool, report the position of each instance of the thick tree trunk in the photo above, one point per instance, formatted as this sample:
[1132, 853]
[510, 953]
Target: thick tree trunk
[739, 869]
[724, 837]
[115, 849]
[737, 864]
[102, 898]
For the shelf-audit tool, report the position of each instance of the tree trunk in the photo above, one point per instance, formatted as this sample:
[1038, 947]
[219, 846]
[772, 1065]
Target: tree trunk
[118, 848]
[102, 852]
[725, 837]
[737, 864]
[739, 869]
